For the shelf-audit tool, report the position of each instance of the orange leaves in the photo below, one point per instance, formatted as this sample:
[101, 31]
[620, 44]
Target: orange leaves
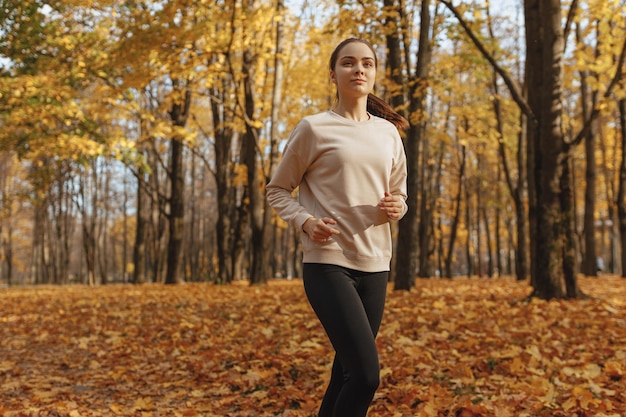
[462, 348]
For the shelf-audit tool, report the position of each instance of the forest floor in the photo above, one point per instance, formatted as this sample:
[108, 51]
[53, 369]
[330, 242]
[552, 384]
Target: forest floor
[461, 347]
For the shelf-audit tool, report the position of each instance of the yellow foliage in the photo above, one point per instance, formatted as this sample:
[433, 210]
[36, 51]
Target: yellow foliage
[241, 175]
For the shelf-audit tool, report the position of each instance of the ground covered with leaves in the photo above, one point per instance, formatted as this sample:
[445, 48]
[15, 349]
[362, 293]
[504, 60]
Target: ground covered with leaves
[462, 347]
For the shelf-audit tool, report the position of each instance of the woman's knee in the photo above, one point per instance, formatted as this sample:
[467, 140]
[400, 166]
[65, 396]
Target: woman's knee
[368, 379]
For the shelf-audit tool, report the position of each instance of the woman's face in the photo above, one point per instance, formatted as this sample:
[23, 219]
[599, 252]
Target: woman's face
[355, 70]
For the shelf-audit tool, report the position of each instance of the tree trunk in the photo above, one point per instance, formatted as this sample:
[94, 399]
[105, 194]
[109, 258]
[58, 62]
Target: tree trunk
[569, 248]
[488, 244]
[179, 114]
[544, 44]
[7, 213]
[157, 254]
[223, 147]
[142, 219]
[88, 225]
[515, 187]
[521, 247]
[261, 235]
[37, 270]
[427, 212]
[191, 260]
[621, 192]
[407, 246]
[589, 101]
[469, 249]
[608, 248]
[454, 227]
[480, 269]
[393, 23]
[125, 277]
[8, 254]
[104, 257]
[176, 213]
[277, 93]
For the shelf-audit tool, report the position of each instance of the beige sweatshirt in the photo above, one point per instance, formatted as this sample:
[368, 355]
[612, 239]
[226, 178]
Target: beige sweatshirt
[343, 169]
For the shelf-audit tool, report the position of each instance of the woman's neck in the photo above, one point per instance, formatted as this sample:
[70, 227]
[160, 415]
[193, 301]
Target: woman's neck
[354, 110]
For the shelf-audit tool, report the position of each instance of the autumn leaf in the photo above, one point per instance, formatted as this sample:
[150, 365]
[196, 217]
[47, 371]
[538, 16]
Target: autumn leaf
[461, 347]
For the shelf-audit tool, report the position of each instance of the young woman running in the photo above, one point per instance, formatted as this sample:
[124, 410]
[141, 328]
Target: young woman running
[350, 165]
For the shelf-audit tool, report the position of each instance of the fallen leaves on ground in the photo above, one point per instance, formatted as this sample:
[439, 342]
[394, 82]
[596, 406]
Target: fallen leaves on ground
[462, 347]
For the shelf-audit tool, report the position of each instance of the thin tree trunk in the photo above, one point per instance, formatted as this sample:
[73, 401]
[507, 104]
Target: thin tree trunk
[489, 243]
[569, 248]
[179, 114]
[260, 270]
[88, 197]
[498, 224]
[457, 215]
[125, 277]
[607, 250]
[425, 215]
[427, 211]
[407, 246]
[588, 101]
[141, 228]
[621, 192]
[268, 229]
[8, 254]
[515, 187]
[469, 247]
[37, 272]
[104, 256]
[191, 245]
[521, 248]
[480, 270]
[226, 220]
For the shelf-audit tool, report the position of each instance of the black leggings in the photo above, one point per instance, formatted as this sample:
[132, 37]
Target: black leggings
[350, 305]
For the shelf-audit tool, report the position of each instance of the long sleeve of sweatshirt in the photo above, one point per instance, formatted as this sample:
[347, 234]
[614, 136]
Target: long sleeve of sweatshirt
[342, 168]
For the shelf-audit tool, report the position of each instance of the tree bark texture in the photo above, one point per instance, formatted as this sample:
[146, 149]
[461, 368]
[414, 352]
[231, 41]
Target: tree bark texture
[621, 192]
[179, 114]
[408, 238]
[544, 43]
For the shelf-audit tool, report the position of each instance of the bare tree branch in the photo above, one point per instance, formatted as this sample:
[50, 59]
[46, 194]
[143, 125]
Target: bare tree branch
[515, 93]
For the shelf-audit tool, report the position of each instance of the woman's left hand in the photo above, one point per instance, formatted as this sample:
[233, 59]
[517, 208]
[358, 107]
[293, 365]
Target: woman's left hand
[391, 205]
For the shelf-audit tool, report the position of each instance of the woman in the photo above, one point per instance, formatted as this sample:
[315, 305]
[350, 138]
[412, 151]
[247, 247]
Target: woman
[350, 165]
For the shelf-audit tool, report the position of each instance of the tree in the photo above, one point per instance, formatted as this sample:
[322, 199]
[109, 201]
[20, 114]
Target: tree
[8, 211]
[406, 253]
[261, 237]
[179, 114]
[548, 152]
[621, 194]
[277, 96]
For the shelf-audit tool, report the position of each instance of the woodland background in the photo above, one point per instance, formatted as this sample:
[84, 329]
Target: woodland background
[136, 137]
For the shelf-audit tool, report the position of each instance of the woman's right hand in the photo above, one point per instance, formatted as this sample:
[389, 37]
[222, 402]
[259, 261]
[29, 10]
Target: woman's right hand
[319, 230]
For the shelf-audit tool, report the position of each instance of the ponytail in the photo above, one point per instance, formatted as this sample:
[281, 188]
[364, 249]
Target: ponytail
[379, 107]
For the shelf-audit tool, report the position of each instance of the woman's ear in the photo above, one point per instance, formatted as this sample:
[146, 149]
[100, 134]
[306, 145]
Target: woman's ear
[333, 79]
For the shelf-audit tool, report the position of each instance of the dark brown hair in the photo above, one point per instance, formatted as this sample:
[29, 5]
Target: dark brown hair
[375, 105]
